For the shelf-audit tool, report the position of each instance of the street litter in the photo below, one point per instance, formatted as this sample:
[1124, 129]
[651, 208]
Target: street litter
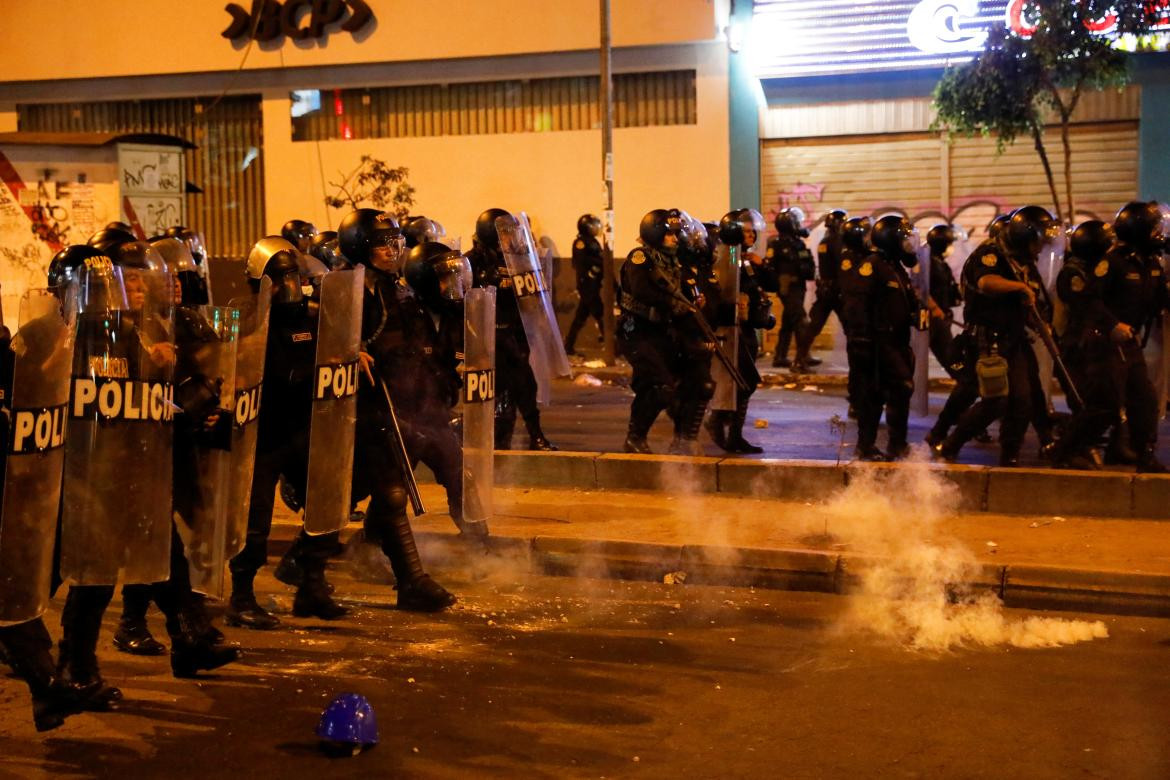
[587, 380]
[674, 578]
[761, 423]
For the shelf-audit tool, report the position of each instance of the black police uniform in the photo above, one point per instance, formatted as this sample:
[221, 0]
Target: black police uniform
[650, 303]
[515, 383]
[401, 337]
[1132, 286]
[945, 292]
[880, 307]
[588, 263]
[999, 325]
[695, 350]
[791, 268]
[828, 300]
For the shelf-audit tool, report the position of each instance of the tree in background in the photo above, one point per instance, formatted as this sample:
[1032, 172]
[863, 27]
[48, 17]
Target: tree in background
[1066, 48]
[374, 183]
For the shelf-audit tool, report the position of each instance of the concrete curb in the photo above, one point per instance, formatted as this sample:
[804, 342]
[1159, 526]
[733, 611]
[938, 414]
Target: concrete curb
[1019, 586]
[981, 488]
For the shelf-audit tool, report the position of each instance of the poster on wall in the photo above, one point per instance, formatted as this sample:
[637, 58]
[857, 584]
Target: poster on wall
[39, 218]
[153, 181]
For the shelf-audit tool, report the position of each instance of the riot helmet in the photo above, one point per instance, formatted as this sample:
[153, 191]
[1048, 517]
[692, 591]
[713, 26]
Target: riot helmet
[440, 275]
[941, 238]
[753, 228]
[1029, 228]
[589, 225]
[856, 234]
[1091, 240]
[995, 227]
[326, 248]
[694, 233]
[181, 264]
[790, 222]
[119, 225]
[485, 228]
[420, 230]
[730, 229]
[299, 233]
[897, 239]
[835, 220]
[348, 724]
[276, 258]
[67, 264]
[195, 244]
[108, 238]
[1139, 224]
[712, 229]
[371, 237]
[660, 230]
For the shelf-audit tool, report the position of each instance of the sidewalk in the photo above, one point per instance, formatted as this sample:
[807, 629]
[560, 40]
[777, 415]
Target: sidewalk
[1117, 566]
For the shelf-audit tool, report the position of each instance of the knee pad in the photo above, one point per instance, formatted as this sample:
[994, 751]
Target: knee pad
[705, 391]
[663, 395]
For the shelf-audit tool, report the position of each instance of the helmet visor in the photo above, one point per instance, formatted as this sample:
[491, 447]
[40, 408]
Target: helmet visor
[454, 273]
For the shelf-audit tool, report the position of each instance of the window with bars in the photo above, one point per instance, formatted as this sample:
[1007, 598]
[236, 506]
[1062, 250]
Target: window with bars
[480, 108]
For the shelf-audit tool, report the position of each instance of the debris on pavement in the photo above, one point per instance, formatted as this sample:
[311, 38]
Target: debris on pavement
[760, 423]
[587, 380]
[675, 578]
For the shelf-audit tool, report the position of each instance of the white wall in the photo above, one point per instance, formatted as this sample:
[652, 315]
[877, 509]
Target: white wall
[554, 176]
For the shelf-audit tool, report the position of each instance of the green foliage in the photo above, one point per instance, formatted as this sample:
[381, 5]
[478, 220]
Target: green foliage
[1007, 91]
[374, 183]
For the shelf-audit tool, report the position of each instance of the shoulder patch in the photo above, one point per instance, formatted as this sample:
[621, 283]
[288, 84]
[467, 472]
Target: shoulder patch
[579, 244]
[893, 283]
[1102, 268]
[1133, 276]
[770, 253]
[866, 269]
[638, 257]
[989, 260]
[846, 264]
[1077, 283]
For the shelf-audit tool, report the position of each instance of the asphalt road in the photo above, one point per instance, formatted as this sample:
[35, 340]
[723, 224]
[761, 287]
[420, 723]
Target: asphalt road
[545, 677]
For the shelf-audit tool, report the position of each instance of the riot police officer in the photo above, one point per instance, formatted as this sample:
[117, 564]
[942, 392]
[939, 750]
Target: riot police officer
[742, 228]
[588, 263]
[1132, 287]
[399, 346]
[792, 267]
[1086, 346]
[944, 293]
[881, 307]
[1000, 285]
[695, 348]
[828, 300]
[651, 302]
[421, 230]
[325, 248]
[282, 446]
[516, 384]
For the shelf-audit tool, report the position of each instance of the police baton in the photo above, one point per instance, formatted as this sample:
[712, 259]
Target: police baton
[709, 334]
[416, 502]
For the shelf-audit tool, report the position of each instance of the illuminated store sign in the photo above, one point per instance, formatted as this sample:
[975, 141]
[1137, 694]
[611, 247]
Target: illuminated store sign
[825, 37]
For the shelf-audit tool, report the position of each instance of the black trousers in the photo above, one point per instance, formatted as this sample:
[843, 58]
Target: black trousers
[589, 305]
[289, 457]
[515, 384]
[828, 301]
[651, 351]
[432, 441]
[793, 319]
[881, 376]
[1016, 410]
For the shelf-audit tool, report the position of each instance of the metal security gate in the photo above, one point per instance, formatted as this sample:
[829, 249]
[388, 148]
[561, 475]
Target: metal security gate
[228, 164]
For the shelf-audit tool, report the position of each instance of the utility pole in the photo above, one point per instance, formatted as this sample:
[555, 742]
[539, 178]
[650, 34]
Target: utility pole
[607, 281]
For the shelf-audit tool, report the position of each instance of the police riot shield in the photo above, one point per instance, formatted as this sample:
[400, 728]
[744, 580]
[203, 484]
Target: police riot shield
[1048, 264]
[1161, 335]
[43, 354]
[250, 351]
[116, 504]
[335, 384]
[206, 374]
[920, 336]
[725, 266]
[479, 393]
[534, 296]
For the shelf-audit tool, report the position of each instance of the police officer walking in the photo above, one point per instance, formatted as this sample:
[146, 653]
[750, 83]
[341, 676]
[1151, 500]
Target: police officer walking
[588, 263]
[792, 267]
[828, 300]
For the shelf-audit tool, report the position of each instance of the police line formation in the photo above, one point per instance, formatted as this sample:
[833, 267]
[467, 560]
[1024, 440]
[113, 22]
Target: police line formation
[148, 430]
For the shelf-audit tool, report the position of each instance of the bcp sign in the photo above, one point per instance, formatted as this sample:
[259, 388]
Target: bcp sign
[296, 19]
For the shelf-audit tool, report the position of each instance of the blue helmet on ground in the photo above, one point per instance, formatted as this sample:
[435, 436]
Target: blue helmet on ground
[349, 722]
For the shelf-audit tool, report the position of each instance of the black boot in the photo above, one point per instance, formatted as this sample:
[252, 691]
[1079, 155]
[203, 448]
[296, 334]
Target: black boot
[243, 609]
[571, 339]
[780, 359]
[417, 592]
[53, 700]
[133, 635]
[735, 440]
[536, 438]
[77, 663]
[1148, 463]
[313, 597]
[191, 652]
[289, 570]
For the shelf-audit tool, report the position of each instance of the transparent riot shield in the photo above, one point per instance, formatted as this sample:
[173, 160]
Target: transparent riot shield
[43, 354]
[116, 505]
[207, 362]
[335, 384]
[250, 352]
[534, 296]
[1048, 264]
[726, 261]
[920, 336]
[1161, 336]
[479, 394]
